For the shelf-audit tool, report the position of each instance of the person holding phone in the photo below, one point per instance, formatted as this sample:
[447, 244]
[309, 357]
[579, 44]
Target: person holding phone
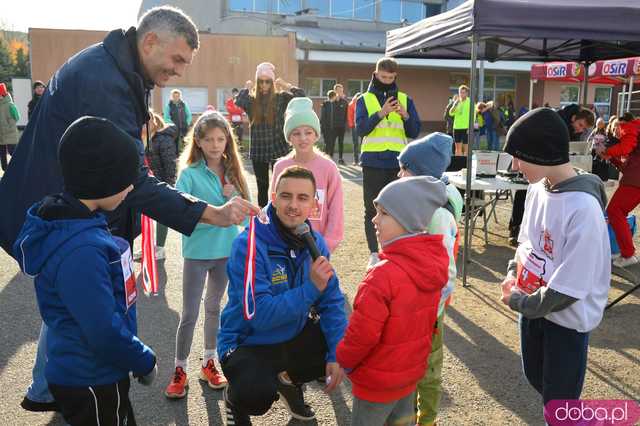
[385, 119]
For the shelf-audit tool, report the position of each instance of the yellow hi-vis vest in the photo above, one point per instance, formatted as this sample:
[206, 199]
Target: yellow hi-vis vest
[388, 135]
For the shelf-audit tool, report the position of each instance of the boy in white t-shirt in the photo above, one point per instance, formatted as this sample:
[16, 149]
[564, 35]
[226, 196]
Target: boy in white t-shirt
[560, 276]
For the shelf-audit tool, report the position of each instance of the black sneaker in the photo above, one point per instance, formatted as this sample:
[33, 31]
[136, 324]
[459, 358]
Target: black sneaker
[234, 417]
[341, 162]
[293, 398]
[38, 407]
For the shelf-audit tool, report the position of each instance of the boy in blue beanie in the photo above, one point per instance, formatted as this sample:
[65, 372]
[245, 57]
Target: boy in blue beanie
[84, 280]
[430, 156]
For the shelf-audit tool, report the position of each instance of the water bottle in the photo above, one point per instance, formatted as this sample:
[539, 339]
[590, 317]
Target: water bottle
[474, 166]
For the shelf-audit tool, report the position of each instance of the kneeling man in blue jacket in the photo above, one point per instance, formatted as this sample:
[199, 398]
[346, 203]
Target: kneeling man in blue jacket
[285, 313]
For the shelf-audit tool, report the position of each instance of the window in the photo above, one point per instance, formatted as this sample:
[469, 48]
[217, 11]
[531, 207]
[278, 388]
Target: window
[355, 86]
[342, 8]
[390, 11]
[364, 9]
[249, 5]
[414, 11]
[498, 88]
[322, 7]
[411, 10]
[288, 7]
[569, 95]
[197, 98]
[318, 87]
[432, 9]
[602, 102]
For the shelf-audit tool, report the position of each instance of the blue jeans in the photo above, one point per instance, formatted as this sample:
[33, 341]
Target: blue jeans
[39, 389]
[493, 140]
[554, 358]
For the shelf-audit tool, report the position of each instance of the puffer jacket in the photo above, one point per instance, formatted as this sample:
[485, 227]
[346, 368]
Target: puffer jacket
[625, 155]
[162, 154]
[388, 339]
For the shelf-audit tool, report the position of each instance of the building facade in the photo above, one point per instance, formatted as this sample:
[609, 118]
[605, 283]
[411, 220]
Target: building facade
[315, 44]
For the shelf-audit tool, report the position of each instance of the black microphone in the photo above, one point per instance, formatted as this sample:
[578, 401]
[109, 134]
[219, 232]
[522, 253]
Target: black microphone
[304, 232]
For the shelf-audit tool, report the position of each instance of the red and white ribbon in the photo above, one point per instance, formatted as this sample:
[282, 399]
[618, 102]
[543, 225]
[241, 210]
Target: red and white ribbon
[249, 297]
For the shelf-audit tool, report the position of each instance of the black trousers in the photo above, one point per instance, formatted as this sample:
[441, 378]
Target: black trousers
[517, 212]
[4, 150]
[329, 136]
[252, 371]
[105, 405]
[261, 170]
[339, 134]
[373, 180]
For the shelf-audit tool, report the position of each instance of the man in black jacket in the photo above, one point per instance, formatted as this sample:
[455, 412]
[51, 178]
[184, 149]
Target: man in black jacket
[577, 119]
[111, 79]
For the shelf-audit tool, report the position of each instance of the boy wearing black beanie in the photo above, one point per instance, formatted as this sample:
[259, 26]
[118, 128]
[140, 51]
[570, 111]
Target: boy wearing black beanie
[559, 278]
[85, 286]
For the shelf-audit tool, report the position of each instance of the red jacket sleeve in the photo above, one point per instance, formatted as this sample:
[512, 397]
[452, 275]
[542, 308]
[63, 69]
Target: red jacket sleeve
[628, 139]
[351, 114]
[370, 313]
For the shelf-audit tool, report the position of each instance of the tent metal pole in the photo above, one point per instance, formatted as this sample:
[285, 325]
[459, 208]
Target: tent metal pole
[531, 82]
[630, 93]
[481, 82]
[470, 140]
[621, 100]
[585, 85]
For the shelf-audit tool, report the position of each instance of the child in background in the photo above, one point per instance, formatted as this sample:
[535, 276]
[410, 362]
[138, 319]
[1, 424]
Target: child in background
[430, 156]
[210, 170]
[626, 157]
[388, 340]
[302, 130]
[84, 281]
[162, 156]
[559, 278]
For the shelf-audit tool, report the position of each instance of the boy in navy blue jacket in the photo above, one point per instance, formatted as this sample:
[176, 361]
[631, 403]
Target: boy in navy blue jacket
[84, 281]
[280, 329]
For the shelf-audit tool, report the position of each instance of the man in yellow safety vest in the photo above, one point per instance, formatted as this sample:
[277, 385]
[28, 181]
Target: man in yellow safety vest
[385, 119]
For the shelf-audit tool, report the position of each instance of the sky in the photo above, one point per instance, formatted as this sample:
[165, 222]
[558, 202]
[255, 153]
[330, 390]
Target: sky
[69, 14]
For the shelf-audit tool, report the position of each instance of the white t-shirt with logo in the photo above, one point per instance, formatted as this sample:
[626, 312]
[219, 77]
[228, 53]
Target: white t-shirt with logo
[564, 244]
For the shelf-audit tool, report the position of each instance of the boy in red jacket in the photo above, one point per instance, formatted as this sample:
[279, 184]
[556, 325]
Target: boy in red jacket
[626, 157]
[388, 340]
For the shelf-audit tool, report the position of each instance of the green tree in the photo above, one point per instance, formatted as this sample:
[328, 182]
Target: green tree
[6, 66]
[21, 67]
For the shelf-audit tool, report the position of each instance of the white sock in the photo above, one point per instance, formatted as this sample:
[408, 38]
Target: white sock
[182, 363]
[209, 354]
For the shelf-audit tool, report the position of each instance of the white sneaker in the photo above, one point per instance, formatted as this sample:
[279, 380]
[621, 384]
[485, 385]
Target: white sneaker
[615, 256]
[160, 253]
[373, 259]
[623, 262]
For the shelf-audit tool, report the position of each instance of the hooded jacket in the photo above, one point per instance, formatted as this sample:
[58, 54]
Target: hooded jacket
[284, 294]
[80, 289]
[103, 80]
[625, 154]
[388, 340]
[365, 124]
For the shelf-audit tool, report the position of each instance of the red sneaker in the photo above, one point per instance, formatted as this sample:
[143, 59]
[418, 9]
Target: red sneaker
[212, 376]
[177, 387]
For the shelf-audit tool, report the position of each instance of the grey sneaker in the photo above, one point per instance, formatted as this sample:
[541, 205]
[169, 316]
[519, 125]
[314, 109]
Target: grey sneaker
[623, 262]
[293, 398]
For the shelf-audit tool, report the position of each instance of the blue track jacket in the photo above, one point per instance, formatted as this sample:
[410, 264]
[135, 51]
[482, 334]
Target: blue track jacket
[284, 294]
[80, 290]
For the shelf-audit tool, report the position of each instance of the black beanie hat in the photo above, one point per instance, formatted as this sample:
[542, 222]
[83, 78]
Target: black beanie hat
[539, 137]
[97, 158]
